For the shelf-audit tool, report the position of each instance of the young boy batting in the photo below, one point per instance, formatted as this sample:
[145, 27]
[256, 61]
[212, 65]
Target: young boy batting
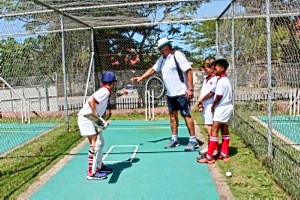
[96, 106]
[222, 109]
[206, 98]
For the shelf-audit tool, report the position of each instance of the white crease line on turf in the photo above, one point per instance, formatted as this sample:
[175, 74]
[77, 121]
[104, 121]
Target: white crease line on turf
[18, 131]
[142, 128]
[110, 149]
[134, 153]
[118, 161]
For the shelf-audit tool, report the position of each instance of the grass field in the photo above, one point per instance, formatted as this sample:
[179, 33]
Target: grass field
[22, 166]
[251, 179]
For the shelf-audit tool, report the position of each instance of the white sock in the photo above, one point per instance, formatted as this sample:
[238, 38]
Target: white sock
[192, 138]
[174, 137]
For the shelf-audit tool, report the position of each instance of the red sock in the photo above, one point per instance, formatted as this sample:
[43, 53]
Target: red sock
[90, 162]
[217, 146]
[225, 144]
[213, 142]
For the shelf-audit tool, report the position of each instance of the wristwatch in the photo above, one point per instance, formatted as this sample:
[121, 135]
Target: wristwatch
[191, 89]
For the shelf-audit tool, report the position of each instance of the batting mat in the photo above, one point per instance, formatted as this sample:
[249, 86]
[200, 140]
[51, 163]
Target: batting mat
[143, 168]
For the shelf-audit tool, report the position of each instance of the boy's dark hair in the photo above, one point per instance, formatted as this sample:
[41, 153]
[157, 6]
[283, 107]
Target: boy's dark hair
[222, 62]
[206, 59]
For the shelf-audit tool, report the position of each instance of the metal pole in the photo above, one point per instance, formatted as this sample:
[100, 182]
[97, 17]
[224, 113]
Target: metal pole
[233, 61]
[146, 104]
[149, 104]
[64, 70]
[22, 111]
[217, 39]
[269, 66]
[28, 114]
[93, 52]
[88, 78]
[152, 93]
[47, 98]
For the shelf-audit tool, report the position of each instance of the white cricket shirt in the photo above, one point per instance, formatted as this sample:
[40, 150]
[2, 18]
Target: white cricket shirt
[224, 88]
[167, 67]
[101, 98]
[209, 85]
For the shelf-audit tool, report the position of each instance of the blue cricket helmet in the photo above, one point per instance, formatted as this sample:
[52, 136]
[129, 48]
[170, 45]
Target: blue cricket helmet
[108, 77]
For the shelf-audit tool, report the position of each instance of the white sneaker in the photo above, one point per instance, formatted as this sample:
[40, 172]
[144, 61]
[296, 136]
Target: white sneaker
[215, 153]
[203, 151]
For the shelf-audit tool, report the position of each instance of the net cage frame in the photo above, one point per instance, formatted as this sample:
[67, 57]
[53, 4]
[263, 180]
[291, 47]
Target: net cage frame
[83, 21]
[66, 21]
[70, 19]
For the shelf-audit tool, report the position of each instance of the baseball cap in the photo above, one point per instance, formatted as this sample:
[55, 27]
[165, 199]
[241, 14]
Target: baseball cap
[162, 42]
[108, 77]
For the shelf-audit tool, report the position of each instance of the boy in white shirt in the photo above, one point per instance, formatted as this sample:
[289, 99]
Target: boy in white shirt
[97, 104]
[206, 98]
[222, 109]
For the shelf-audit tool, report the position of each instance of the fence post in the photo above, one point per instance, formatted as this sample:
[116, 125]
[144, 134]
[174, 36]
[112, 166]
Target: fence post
[269, 66]
[64, 70]
[93, 53]
[47, 97]
[217, 39]
[233, 60]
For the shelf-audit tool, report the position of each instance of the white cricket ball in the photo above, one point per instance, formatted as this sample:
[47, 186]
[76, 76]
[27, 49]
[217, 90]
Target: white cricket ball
[228, 174]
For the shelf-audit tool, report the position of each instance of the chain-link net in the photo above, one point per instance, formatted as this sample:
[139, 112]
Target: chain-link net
[242, 32]
[52, 54]
[33, 104]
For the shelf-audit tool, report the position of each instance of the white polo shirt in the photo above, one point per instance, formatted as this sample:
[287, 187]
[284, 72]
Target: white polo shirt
[167, 67]
[224, 89]
[101, 98]
[209, 85]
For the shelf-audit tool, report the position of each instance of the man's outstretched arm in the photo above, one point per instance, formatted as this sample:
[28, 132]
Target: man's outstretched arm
[147, 74]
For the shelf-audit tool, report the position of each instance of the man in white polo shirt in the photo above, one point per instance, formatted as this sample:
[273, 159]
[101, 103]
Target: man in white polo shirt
[178, 78]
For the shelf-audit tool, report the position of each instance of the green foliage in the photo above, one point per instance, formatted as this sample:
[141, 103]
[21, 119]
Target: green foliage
[202, 38]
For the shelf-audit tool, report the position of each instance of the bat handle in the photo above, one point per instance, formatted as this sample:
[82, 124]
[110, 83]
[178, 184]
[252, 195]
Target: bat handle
[104, 122]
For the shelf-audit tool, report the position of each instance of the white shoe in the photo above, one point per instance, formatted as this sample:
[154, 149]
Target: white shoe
[203, 151]
[215, 153]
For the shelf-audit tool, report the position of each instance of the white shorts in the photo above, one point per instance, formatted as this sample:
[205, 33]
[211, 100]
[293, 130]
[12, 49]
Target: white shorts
[86, 126]
[223, 113]
[207, 115]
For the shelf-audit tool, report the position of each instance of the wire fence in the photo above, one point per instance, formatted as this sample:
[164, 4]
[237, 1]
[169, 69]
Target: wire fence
[52, 54]
[262, 41]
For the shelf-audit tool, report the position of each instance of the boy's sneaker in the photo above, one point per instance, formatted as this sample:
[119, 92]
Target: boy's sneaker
[172, 143]
[203, 151]
[191, 146]
[97, 176]
[224, 157]
[215, 153]
[206, 159]
[106, 170]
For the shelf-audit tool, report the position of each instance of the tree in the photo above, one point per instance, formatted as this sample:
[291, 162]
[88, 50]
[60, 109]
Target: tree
[202, 37]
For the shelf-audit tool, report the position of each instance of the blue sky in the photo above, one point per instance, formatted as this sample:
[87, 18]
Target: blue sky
[207, 10]
[213, 9]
